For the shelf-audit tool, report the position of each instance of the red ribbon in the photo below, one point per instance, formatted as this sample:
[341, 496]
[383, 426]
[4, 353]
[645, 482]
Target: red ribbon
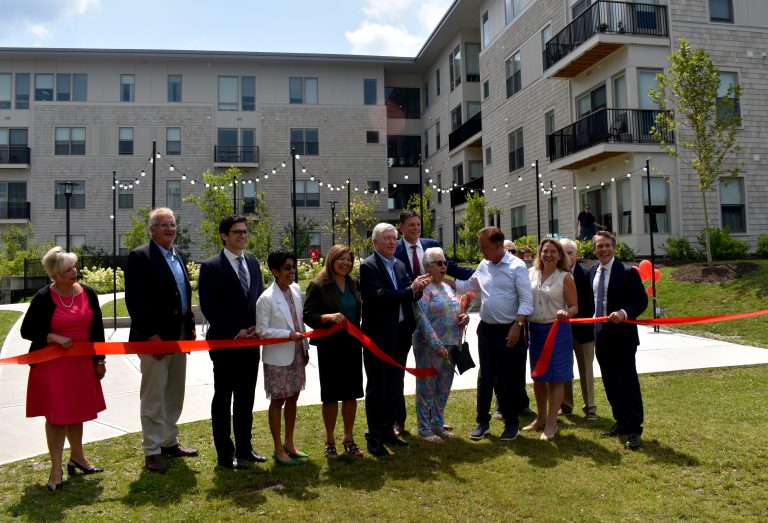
[85, 348]
[546, 351]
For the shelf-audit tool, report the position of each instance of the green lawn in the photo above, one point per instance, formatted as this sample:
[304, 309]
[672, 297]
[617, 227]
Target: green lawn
[703, 459]
[7, 319]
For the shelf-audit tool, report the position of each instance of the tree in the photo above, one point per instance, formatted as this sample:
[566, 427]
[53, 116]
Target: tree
[471, 223]
[414, 204]
[18, 244]
[363, 215]
[215, 203]
[704, 123]
[138, 234]
[306, 224]
[261, 228]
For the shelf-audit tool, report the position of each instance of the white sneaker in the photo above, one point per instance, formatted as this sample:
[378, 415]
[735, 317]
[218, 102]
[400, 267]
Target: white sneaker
[432, 438]
[444, 434]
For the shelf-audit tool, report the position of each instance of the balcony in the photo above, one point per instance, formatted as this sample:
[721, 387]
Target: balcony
[465, 131]
[14, 210]
[599, 31]
[14, 155]
[602, 135]
[242, 155]
[459, 194]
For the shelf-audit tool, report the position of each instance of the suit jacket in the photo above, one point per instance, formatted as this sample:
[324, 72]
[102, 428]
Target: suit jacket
[624, 291]
[152, 298]
[382, 301]
[454, 270]
[273, 320]
[324, 299]
[222, 300]
[583, 333]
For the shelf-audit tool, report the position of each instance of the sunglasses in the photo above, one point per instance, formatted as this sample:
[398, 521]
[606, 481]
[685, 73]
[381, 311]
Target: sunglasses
[440, 263]
[512, 251]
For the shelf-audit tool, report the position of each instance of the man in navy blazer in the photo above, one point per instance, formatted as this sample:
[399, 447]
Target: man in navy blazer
[229, 285]
[623, 297]
[388, 295]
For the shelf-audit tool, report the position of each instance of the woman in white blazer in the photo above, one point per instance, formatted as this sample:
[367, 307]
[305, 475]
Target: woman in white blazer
[278, 315]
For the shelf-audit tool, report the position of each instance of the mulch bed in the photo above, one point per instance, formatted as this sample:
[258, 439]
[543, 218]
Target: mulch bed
[703, 273]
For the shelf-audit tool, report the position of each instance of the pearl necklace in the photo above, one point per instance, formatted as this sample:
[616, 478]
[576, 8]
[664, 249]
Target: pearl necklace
[72, 297]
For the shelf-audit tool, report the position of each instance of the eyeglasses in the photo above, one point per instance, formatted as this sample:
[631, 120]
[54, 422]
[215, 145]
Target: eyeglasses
[512, 251]
[239, 232]
[288, 267]
[440, 263]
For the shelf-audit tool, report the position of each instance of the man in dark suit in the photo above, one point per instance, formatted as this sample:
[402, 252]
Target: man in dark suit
[619, 294]
[388, 295]
[229, 285]
[583, 337]
[158, 297]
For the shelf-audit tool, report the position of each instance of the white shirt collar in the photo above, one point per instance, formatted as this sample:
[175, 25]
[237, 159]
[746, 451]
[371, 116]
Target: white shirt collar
[231, 256]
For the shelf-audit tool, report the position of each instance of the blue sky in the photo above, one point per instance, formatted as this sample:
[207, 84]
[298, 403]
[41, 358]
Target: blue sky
[371, 27]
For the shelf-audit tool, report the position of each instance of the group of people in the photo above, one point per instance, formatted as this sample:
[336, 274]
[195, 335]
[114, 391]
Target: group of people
[401, 300]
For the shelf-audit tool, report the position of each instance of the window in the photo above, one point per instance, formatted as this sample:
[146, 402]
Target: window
[733, 212]
[174, 87]
[426, 94]
[437, 135]
[5, 90]
[79, 87]
[125, 140]
[306, 142]
[488, 156]
[624, 206]
[518, 225]
[486, 89]
[456, 118]
[426, 144]
[437, 82]
[307, 193]
[70, 141]
[248, 93]
[552, 217]
[13, 145]
[122, 247]
[729, 107]
[13, 200]
[458, 174]
[371, 136]
[125, 196]
[721, 11]
[173, 194]
[475, 169]
[486, 29]
[314, 242]
[592, 101]
[22, 90]
[546, 36]
[516, 153]
[226, 140]
[302, 90]
[75, 240]
[514, 74]
[77, 200]
[439, 188]
[620, 91]
[402, 102]
[511, 9]
[579, 7]
[454, 67]
[403, 151]
[63, 87]
[369, 87]
[373, 186]
[127, 87]
[228, 93]
[549, 127]
[472, 109]
[249, 151]
[44, 87]
[172, 141]
[657, 211]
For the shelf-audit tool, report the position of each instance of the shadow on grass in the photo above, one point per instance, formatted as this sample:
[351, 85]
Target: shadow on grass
[39, 504]
[161, 490]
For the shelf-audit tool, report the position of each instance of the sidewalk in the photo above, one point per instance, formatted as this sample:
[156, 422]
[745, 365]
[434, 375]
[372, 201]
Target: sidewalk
[25, 437]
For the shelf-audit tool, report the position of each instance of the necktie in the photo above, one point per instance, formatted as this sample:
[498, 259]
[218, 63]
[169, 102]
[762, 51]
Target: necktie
[241, 274]
[416, 266]
[599, 308]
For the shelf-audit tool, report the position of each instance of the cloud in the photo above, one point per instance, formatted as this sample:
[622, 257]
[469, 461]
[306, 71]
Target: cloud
[381, 39]
[385, 9]
[40, 31]
[36, 17]
[431, 13]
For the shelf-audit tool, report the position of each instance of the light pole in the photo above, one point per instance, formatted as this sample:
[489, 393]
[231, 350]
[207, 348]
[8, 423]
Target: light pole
[538, 206]
[333, 221]
[114, 249]
[421, 191]
[68, 186]
[293, 203]
[154, 170]
[650, 233]
[453, 214]
[349, 214]
[551, 209]
[234, 195]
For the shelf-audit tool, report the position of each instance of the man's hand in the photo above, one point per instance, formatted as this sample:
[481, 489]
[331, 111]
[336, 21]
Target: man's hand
[155, 337]
[514, 334]
[617, 317]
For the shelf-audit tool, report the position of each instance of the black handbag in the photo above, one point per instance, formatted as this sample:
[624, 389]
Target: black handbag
[461, 358]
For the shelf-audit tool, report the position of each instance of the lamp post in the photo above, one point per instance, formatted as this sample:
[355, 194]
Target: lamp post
[453, 217]
[154, 170]
[293, 203]
[349, 214]
[234, 195]
[68, 186]
[538, 206]
[421, 191]
[551, 209]
[647, 170]
[114, 249]
[333, 221]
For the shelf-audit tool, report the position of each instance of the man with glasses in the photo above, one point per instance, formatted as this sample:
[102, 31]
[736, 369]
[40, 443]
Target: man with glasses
[229, 285]
[586, 224]
[158, 297]
[509, 245]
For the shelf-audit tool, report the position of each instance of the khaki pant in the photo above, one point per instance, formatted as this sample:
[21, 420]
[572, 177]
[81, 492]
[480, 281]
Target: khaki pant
[585, 355]
[162, 398]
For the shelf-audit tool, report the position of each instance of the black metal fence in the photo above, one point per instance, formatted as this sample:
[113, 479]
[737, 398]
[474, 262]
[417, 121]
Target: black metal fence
[236, 154]
[14, 154]
[465, 131]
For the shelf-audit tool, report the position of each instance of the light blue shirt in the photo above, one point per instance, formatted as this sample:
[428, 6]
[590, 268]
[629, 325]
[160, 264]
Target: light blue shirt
[174, 263]
[505, 289]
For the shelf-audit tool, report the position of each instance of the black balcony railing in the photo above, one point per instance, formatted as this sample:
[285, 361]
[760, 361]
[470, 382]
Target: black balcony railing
[465, 131]
[14, 154]
[605, 126]
[459, 196]
[236, 154]
[14, 210]
[607, 17]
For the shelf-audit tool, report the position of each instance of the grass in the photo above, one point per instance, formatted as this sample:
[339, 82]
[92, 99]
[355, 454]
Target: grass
[7, 320]
[745, 294]
[703, 459]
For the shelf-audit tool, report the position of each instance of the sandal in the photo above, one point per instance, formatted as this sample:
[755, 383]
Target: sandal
[330, 451]
[350, 447]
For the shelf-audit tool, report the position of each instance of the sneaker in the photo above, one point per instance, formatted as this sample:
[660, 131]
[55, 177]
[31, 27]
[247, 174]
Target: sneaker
[509, 434]
[445, 434]
[432, 438]
[591, 416]
[481, 431]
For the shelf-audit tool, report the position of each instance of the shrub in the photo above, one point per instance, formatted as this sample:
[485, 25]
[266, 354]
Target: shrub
[762, 245]
[724, 246]
[680, 249]
[101, 279]
[193, 270]
[585, 251]
[624, 252]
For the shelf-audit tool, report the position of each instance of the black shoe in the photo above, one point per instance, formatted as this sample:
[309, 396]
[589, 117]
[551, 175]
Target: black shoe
[375, 448]
[481, 431]
[72, 465]
[253, 457]
[509, 434]
[178, 451]
[56, 486]
[613, 432]
[395, 441]
[242, 464]
[633, 443]
[224, 463]
[527, 412]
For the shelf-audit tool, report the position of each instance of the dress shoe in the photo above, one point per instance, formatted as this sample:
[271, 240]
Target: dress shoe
[614, 431]
[224, 463]
[375, 448]
[72, 465]
[241, 464]
[284, 462]
[480, 431]
[591, 416]
[178, 451]
[395, 441]
[155, 463]
[296, 455]
[633, 443]
[56, 486]
[253, 457]
[399, 429]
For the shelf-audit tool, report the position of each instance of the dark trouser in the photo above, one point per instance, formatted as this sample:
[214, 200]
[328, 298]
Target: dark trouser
[384, 389]
[498, 371]
[622, 387]
[234, 383]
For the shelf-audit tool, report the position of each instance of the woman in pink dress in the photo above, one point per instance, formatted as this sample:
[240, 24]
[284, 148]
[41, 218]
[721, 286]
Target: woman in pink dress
[67, 391]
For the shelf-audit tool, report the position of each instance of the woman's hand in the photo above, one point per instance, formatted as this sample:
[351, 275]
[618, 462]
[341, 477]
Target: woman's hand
[61, 340]
[335, 317]
[563, 314]
[295, 336]
[100, 369]
[462, 320]
[442, 352]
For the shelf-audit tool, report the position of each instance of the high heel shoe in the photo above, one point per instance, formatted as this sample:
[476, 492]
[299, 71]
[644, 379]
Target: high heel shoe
[56, 486]
[72, 465]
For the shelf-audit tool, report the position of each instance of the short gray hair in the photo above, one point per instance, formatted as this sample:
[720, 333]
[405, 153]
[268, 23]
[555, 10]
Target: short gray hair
[381, 228]
[157, 212]
[566, 241]
[431, 254]
[57, 261]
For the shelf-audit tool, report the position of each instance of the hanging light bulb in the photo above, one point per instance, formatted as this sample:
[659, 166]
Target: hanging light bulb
[405, 176]
[613, 180]
[274, 171]
[192, 182]
[394, 185]
[519, 178]
[266, 176]
[506, 184]
[143, 172]
[297, 157]
[183, 176]
[207, 185]
[311, 177]
[429, 181]
[629, 175]
[158, 156]
[171, 168]
[304, 170]
[136, 181]
[282, 164]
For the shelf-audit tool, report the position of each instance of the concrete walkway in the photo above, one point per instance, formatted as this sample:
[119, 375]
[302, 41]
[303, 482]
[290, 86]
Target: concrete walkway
[24, 437]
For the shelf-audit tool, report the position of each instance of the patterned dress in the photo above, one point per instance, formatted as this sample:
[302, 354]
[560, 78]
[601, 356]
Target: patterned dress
[435, 327]
[285, 382]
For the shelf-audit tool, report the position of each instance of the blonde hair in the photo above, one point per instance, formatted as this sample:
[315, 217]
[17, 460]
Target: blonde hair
[57, 261]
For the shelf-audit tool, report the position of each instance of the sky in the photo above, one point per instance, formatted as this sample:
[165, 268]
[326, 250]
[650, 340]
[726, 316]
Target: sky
[367, 27]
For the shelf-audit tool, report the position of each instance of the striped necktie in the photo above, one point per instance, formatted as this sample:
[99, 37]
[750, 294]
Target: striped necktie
[242, 275]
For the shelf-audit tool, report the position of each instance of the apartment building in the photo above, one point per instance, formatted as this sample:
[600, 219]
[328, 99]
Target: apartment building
[502, 90]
